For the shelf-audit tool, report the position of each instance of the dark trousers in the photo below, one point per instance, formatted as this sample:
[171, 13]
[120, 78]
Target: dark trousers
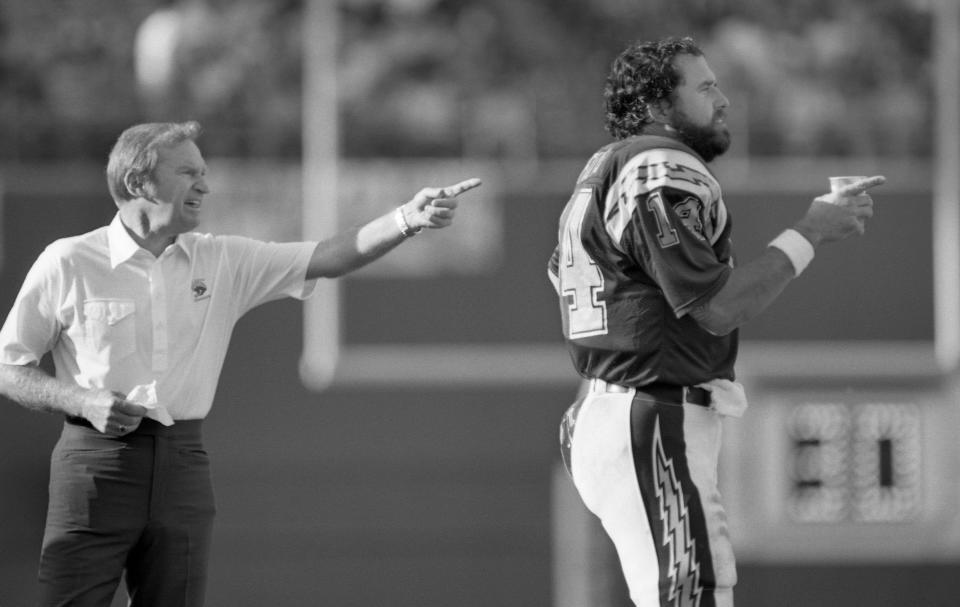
[141, 503]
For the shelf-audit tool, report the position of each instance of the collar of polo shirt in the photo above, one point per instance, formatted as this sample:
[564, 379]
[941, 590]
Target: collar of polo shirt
[123, 247]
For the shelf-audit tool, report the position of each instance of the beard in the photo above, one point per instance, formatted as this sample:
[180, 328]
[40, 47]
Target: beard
[709, 141]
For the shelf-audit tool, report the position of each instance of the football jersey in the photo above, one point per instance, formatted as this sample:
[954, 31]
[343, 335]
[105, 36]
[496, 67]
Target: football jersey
[644, 238]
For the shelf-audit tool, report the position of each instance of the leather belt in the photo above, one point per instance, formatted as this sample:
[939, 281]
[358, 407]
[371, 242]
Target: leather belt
[182, 427]
[660, 392]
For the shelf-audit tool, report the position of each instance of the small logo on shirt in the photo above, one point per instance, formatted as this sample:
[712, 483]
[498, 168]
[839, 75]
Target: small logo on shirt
[690, 211]
[199, 288]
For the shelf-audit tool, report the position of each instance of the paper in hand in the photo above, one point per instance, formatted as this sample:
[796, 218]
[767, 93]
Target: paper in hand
[145, 395]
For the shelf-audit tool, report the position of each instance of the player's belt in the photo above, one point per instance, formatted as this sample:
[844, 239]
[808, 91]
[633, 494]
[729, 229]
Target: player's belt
[660, 392]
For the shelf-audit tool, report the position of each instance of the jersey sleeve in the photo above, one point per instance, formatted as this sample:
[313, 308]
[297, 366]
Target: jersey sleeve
[33, 325]
[664, 213]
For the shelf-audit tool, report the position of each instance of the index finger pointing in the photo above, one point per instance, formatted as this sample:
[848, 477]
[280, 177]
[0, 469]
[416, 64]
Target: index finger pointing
[859, 187]
[455, 190]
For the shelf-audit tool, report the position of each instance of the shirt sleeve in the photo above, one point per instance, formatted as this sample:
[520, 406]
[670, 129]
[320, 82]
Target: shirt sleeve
[267, 271]
[663, 222]
[33, 326]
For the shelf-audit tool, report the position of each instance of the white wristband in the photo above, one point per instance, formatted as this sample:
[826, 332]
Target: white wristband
[796, 247]
[405, 230]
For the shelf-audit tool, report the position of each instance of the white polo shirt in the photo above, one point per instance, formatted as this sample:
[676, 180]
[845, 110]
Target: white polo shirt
[114, 316]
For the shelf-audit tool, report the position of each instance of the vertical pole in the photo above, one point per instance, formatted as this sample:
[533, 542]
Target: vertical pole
[946, 191]
[321, 339]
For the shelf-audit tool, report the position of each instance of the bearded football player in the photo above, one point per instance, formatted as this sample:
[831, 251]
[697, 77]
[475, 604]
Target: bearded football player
[651, 300]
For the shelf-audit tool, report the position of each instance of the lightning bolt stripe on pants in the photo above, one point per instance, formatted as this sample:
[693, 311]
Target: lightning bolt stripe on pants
[648, 471]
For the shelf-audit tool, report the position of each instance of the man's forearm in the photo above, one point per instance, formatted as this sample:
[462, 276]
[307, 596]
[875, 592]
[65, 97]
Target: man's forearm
[34, 389]
[345, 252]
[354, 248]
[752, 287]
[749, 290]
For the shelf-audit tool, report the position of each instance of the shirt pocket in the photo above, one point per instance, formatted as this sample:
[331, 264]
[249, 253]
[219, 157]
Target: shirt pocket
[110, 327]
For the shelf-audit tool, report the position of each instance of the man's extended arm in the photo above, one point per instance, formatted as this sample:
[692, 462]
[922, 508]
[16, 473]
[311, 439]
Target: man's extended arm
[355, 248]
[751, 288]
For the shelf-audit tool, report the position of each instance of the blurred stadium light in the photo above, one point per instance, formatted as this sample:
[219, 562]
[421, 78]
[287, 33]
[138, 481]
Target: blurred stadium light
[155, 53]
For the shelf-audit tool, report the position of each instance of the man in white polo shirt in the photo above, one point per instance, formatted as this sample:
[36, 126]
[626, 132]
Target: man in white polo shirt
[137, 316]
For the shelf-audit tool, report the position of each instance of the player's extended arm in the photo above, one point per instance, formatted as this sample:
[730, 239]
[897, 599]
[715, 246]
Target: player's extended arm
[752, 287]
[33, 388]
[355, 248]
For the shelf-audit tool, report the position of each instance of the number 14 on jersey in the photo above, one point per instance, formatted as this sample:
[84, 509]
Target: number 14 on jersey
[581, 281]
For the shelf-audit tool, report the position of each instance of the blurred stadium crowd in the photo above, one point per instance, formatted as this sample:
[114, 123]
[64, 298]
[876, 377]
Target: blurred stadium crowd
[488, 78]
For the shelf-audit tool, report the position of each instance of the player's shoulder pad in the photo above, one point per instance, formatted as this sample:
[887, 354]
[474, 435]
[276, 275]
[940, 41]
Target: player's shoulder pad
[613, 155]
[596, 166]
[661, 162]
[649, 163]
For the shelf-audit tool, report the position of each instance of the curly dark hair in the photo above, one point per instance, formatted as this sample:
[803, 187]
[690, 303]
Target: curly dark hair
[641, 75]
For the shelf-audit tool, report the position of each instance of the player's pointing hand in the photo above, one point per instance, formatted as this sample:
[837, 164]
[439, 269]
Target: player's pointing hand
[859, 187]
[855, 193]
[435, 207]
[840, 214]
